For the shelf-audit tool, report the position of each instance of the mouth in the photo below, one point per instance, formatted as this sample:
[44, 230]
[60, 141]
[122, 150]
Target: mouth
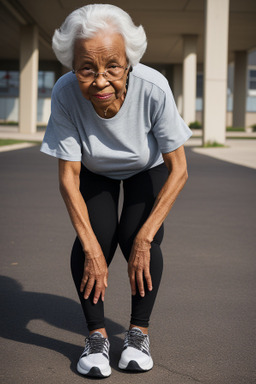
[104, 96]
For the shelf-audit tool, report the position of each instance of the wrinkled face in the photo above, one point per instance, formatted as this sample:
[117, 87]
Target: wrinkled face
[98, 54]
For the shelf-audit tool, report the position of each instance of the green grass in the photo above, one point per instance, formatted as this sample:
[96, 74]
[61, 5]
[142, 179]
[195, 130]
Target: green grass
[195, 125]
[235, 129]
[12, 141]
[213, 144]
[241, 138]
[11, 123]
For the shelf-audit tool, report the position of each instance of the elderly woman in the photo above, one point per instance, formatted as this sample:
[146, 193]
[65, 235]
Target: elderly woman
[114, 120]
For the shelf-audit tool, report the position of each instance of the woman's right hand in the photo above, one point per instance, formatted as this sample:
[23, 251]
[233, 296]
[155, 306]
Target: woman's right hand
[95, 273]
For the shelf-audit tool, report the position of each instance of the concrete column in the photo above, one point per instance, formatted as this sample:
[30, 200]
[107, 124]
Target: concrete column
[240, 89]
[177, 86]
[28, 79]
[215, 70]
[189, 78]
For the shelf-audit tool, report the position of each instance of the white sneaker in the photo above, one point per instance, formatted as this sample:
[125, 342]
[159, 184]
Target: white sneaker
[94, 360]
[136, 355]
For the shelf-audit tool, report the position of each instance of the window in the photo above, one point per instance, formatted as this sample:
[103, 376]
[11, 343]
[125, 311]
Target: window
[199, 85]
[252, 81]
[199, 91]
[46, 81]
[9, 83]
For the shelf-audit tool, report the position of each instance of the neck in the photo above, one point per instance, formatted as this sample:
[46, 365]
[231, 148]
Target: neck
[113, 108]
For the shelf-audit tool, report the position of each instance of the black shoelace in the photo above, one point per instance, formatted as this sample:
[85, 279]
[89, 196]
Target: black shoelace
[137, 340]
[96, 345]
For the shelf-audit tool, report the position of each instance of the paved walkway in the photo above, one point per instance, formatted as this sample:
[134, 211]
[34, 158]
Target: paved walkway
[203, 325]
[237, 151]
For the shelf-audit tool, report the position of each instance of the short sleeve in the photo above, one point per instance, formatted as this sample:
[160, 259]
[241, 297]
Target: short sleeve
[62, 139]
[168, 127]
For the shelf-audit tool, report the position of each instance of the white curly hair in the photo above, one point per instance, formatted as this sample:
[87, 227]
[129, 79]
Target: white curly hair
[87, 21]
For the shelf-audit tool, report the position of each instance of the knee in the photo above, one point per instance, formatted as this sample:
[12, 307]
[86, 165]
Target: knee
[125, 241]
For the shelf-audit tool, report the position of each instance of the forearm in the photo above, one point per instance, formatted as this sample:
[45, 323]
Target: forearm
[77, 209]
[176, 163]
[162, 206]
[78, 213]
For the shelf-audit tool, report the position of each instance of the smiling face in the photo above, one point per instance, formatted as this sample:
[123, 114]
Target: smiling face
[98, 54]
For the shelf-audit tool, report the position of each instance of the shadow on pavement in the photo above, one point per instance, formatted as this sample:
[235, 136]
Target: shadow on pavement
[19, 307]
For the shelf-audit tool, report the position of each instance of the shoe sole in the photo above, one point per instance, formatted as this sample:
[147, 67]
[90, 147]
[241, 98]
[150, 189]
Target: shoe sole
[134, 366]
[94, 372]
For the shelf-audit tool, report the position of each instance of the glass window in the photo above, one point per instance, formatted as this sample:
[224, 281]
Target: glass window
[252, 82]
[199, 85]
[252, 73]
[9, 83]
[46, 81]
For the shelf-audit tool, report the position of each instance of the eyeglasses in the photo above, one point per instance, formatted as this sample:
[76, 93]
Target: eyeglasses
[114, 73]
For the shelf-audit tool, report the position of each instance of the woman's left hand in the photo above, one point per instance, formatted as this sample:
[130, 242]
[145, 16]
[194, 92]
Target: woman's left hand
[139, 267]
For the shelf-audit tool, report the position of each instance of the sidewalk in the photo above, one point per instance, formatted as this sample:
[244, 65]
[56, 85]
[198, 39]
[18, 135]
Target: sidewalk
[240, 146]
[237, 151]
[12, 132]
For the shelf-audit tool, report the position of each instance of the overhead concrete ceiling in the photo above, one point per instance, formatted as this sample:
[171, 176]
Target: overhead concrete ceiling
[165, 22]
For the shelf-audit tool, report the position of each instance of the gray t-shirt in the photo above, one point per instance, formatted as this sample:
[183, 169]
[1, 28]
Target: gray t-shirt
[147, 125]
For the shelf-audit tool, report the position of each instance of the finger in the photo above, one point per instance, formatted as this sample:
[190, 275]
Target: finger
[103, 295]
[133, 283]
[140, 283]
[106, 281]
[83, 283]
[89, 287]
[148, 280]
[99, 289]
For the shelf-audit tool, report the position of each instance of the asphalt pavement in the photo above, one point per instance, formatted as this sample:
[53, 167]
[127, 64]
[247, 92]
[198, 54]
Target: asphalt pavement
[203, 328]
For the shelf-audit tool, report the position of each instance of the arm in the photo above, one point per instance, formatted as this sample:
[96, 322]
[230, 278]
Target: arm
[139, 260]
[95, 267]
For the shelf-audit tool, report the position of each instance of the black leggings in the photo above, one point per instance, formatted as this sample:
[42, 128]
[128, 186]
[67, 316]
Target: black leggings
[101, 195]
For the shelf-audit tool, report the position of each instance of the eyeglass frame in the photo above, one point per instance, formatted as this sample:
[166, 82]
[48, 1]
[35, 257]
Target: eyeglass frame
[102, 73]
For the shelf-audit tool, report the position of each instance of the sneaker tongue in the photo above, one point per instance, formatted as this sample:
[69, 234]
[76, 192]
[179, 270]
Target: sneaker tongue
[96, 334]
[136, 330]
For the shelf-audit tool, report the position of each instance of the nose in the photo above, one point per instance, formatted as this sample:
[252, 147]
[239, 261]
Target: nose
[100, 81]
